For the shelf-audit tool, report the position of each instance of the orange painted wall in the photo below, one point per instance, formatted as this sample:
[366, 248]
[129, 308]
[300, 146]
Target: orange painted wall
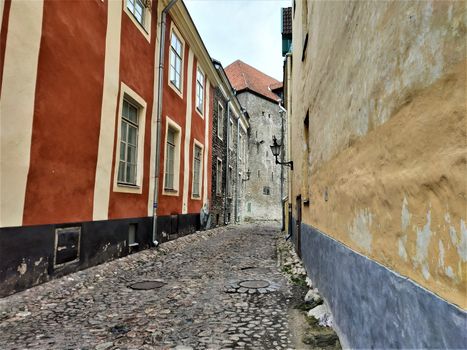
[137, 68]
[174, 106]
[3, 34]
[66, 113]
[197, 132]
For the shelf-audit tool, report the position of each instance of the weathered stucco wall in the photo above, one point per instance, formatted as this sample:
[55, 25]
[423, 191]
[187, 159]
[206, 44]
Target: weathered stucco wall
[383, 159]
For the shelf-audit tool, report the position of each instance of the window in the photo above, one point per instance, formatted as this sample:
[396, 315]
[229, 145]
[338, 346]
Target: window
[172, 141]
[136, 7]
[219, 177]
[199, 90]
[220, 120]
[240, 147]
[170, 160]
[139, 12]
[266, 190]
[197, 156]
[232, 135]
[129, 160]
[175, 71]
[259, 175]
[230, 182]
[127, 166]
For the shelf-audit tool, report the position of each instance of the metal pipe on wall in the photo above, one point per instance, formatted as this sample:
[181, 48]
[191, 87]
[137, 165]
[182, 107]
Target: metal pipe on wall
[159, 118]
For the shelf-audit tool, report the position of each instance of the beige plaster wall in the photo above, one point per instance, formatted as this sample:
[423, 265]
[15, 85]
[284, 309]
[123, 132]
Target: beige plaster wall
[383, 162]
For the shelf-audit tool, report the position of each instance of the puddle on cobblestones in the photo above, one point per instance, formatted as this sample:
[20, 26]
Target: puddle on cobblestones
[146, 285]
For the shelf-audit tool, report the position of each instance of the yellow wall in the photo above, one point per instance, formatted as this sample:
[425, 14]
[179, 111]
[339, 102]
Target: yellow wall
[384, 84]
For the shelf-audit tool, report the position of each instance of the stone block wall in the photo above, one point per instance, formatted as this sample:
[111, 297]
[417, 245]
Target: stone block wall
[262, 197]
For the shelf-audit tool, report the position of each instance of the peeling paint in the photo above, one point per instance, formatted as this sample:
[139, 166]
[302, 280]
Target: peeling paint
[423, 241]
[22, 268]
[405, 221]
[459, 243]
[462, 247]
[441, 254]
[360, 230]
[405, 215]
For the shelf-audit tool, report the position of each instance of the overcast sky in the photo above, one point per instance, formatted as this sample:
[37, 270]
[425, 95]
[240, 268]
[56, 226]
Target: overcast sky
[249, 30]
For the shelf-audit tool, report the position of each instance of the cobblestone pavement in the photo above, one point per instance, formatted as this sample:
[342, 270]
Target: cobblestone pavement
[202, 305]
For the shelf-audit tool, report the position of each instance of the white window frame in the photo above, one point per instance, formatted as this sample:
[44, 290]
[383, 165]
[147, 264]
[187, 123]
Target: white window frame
[130, 95]
[220, 120]
[145, 27]
[203, 86]
[176, 32]
[219, 177]
[196, 143]
[178, 136]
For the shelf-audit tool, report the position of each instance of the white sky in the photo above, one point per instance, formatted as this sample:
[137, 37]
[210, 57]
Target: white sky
[249, 30]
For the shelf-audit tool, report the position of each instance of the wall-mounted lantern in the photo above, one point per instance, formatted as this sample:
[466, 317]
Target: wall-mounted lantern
[248, 173]
[276, 150]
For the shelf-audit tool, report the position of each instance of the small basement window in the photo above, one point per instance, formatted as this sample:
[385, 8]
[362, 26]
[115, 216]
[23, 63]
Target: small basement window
[67, 245]
[132, 235]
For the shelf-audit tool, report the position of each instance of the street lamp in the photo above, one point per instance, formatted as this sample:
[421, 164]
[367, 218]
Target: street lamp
[248, 173]
[276, 149]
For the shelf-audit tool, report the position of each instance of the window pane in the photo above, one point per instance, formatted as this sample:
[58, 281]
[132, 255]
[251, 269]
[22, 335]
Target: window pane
[130, 5]
[131, 155]
[170, 136]
[123, 131]
[121, 171]
[132, 135]
[122, 150]
[133, 114]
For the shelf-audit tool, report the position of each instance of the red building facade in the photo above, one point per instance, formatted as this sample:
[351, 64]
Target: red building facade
[78, 111]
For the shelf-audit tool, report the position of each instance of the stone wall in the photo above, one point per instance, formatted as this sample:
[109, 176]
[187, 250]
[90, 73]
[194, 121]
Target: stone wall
[218, 151]
[262, 197]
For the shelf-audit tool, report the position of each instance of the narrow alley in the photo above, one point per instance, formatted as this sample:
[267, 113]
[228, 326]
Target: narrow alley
[201, 303]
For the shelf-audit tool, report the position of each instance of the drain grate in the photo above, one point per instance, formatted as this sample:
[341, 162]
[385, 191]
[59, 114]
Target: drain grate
[251, 287]
[146, 285]
[254, 284]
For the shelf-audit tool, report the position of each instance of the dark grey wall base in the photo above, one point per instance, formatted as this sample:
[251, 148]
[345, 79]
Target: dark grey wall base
[173, 226]
[374, 307]
[27, 253]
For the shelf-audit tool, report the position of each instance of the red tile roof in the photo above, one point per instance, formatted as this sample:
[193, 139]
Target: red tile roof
[245, 77]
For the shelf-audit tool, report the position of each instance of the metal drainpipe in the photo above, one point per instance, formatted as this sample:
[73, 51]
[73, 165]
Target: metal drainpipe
[159, 118]
[227, 164]
[283, 112]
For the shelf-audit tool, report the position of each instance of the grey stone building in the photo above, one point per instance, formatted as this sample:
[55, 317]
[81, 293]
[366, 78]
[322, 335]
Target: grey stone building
[230, 126]
[260, 95]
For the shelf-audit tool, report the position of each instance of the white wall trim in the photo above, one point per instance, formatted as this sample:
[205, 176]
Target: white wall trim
[201, 169]
[206, 140]
[172, 124]
[17, 106]
[189, 99]
[110, 88]
[127, 93]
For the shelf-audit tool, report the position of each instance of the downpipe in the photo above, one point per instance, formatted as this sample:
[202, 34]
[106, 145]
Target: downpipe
[159, 118]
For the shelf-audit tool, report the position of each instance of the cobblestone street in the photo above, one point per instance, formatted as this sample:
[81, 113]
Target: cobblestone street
[201, 304]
